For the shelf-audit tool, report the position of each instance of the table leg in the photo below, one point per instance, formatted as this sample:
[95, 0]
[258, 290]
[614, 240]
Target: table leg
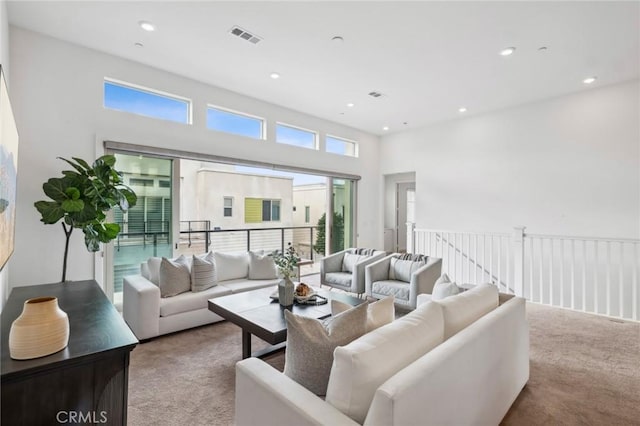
[246, 344]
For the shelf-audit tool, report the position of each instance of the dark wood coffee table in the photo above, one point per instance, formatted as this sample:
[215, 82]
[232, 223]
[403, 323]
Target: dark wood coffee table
[255, 313]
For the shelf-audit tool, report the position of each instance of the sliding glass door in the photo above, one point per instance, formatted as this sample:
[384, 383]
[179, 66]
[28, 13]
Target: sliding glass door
[343, 207]
[146, 229]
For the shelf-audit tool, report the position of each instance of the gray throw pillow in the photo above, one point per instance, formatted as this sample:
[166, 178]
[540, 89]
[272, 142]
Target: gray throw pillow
[401, 270]
[310, 345]
[175, 277]
[262, 267]
[203, 272]
[349, 261]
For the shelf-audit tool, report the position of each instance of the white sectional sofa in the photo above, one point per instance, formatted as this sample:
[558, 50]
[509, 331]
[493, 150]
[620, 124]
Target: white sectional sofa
[466, 362]
[149, 315]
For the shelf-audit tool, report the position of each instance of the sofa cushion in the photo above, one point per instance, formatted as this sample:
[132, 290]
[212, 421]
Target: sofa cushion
[311, 342]
[443, 288]
[230, 266]
[379, 313]
[342, 279]
[190, 301]
[398, 289]
[243, 284]
[153, 267]
[175, 277]
[349, 261]
[262, 267]
[401, 270]
[464, 308]
[360, 367]
[203, 272]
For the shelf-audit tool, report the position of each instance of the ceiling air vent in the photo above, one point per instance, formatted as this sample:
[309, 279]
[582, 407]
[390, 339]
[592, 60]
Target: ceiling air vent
[375, 94]
[244, 34]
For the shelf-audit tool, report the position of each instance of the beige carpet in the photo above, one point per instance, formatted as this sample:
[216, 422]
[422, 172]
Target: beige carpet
[585, 370]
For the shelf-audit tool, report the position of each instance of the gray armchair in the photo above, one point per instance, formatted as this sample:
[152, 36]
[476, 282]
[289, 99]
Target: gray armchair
[404, 279]
[345, 269]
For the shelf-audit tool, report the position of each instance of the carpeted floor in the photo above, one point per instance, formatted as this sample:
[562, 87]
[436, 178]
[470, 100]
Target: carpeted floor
[585, 370]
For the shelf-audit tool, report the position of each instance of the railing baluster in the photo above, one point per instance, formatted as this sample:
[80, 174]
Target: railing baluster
[608, 278]
[562, 272]
[596, 290]
[455, 255]
[573, 275]
[531, 269]
[541, 271]
[584, 275]
[491, 259]
[621, 284]
[551, 271]
[475, 259]
[634, 301]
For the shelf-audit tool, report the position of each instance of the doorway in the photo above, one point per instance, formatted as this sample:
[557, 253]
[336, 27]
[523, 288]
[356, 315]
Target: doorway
[405, 212]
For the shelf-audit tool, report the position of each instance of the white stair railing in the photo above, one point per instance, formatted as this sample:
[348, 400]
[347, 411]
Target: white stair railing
[589, 274]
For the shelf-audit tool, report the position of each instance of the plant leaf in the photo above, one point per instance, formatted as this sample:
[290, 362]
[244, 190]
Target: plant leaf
[55, 189]
[72, 206]
[72, 192]
[74, 165]
[81, 162]
[50, 210]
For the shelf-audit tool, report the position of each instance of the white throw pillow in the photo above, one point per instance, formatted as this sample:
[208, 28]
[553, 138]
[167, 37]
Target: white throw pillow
[379, 313]
[231, 266]
[203, 272]
[262, 267]
[360, 367]
[349, 261]
[153, 265]
[401, 270]
[443, 288]
[467, 307]
[175, 277]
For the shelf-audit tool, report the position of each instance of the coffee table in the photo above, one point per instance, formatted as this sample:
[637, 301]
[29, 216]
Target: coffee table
[255, 313]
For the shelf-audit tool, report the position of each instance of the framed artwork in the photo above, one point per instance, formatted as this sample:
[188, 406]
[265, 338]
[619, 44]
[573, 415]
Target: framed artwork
[8, 173]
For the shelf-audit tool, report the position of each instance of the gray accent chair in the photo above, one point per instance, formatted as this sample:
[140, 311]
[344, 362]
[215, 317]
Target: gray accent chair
[404, 279]
[345, 269]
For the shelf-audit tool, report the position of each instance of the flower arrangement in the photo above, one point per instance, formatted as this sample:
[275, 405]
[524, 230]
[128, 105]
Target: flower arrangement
[287, 261]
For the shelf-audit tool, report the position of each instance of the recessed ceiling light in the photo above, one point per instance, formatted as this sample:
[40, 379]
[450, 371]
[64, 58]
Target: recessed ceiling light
[385, 128]
[138, 44]
[350, 105]
[462, 109]
[589, 80]
[508, 51]
[147, 26]
[542, 49]
[274, 75]
[337, 40]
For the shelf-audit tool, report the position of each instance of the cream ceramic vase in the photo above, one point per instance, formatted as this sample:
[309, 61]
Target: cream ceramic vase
[41, 329]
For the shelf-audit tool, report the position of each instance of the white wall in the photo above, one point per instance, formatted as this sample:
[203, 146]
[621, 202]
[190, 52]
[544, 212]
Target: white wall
[569, 165]
[4, 60]
[57, 95]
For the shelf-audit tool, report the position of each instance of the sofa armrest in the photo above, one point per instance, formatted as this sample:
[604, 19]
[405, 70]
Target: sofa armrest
[331, 263]
[376, 271]
[265, 396]
[141, 306]
[424, 278]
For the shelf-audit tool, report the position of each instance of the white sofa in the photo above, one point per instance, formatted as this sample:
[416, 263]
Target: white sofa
[466, 363]
[149, 315]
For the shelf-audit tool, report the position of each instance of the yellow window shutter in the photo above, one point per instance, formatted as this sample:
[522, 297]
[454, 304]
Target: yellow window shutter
[252, 210]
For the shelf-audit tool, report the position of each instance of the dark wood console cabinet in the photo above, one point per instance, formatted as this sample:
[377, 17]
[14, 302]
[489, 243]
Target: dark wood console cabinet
[85, 383]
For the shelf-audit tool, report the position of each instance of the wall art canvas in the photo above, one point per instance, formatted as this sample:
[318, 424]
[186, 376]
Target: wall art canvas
[8, 173]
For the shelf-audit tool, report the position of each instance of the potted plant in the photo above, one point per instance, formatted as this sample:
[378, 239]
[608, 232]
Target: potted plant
[286, 262]
[81, 199]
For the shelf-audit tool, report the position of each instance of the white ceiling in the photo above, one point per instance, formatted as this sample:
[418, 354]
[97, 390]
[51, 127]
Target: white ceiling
[427, 58]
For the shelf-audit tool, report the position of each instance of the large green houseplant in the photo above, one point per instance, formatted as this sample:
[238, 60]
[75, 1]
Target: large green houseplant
[81, 199]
